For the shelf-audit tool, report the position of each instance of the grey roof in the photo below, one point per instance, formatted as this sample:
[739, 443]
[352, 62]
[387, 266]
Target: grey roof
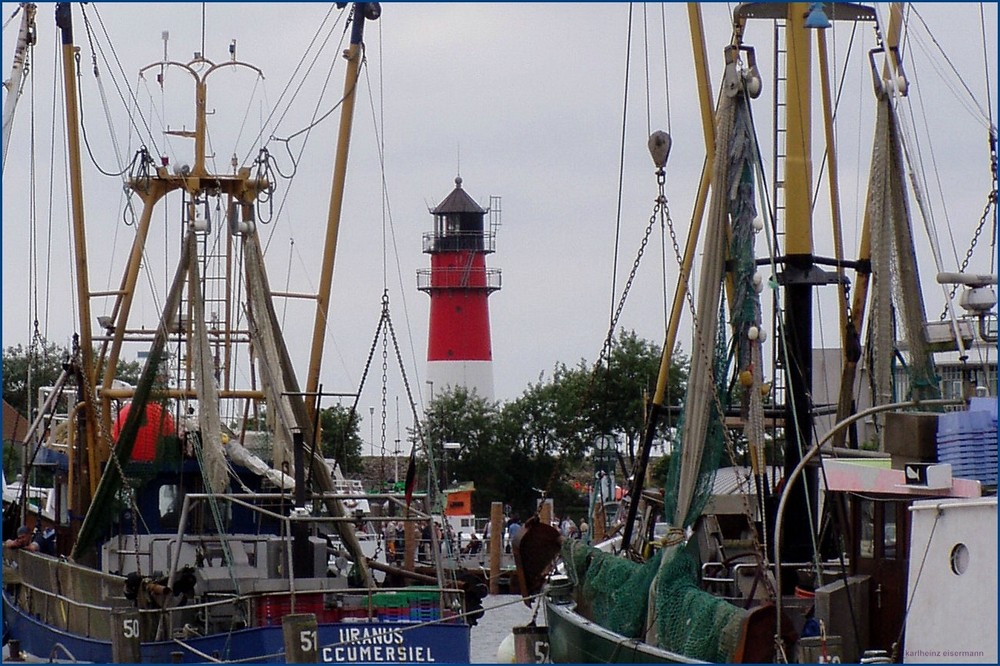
[458, 202]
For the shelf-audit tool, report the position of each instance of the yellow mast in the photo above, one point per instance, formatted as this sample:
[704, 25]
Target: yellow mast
[83, 487]
[362, 10]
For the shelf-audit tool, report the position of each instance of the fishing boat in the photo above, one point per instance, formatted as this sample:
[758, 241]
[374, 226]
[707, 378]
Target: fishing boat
[837, 553]
[196, 517]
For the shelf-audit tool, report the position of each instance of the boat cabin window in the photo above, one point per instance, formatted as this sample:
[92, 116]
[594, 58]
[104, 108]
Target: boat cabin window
[889, 535]
[867, 532]
[880, 528]
[169, 504]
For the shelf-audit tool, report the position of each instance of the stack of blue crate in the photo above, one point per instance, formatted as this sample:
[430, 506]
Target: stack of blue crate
[968, 440]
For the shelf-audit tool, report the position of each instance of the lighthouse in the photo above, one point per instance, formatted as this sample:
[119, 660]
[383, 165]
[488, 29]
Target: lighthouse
[459, 350]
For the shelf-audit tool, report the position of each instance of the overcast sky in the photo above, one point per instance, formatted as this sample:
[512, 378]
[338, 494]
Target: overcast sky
[524, 101]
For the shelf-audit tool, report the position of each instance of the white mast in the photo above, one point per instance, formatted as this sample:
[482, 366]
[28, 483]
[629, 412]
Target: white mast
[25, 37]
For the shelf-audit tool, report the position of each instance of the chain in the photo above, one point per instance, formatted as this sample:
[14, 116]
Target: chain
[385, 371]
[102, 436]
[660, 205]
[371, 355]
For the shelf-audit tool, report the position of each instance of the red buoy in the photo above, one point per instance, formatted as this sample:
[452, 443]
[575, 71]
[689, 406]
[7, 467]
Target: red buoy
[157, 423]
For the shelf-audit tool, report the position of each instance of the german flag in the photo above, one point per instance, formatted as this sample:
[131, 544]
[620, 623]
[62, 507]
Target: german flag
[411, 476]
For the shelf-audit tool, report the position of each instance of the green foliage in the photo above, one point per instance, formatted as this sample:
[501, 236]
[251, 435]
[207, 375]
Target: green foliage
[46, 365]
[340, 437]
[513, 451]
[12, 463]
[658, 473]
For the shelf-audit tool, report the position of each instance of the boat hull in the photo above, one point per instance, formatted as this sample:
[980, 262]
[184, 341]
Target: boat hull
[361, 642]
[575, 639]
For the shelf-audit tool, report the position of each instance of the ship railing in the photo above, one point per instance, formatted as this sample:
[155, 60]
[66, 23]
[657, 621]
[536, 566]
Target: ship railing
[453, 241]
[247, 500]
[80, 600]
[457, 277]
[723, 578]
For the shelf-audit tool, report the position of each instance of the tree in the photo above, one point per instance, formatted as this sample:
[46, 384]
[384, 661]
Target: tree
[45, 364]
[514, 451]
[472, 422]
[340, 438]
[627, 385]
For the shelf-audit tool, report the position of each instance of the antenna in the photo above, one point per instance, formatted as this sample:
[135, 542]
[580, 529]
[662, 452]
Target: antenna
[458, 159]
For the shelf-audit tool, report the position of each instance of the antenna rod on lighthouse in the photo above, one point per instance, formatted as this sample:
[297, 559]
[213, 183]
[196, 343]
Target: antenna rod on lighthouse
[361, 11]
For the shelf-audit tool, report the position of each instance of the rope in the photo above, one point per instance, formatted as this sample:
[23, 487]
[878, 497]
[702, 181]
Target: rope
[965, 86]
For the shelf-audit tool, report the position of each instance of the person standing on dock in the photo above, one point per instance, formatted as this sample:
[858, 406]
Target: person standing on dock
[513, 527]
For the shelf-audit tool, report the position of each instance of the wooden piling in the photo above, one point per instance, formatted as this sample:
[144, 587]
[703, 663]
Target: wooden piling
[545, 512]
[301, 638]
[531, 644]
[125, 636]
[411, 534]
[496, 545]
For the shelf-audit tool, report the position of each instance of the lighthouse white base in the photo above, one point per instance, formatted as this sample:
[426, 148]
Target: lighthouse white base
[475, 376]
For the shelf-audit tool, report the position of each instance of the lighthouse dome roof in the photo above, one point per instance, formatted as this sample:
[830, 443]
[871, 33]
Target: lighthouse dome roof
[458, 202]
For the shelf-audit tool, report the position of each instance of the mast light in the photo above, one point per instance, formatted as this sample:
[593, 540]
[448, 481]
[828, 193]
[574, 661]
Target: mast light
[816, 18]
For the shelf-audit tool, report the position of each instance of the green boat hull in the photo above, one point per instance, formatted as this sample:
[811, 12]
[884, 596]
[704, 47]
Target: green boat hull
[575, 639]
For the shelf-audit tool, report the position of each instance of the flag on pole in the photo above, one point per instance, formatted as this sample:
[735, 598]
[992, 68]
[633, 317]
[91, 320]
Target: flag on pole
[411, 476]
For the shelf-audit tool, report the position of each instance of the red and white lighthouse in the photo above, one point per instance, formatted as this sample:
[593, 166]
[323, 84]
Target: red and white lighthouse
[459, 350]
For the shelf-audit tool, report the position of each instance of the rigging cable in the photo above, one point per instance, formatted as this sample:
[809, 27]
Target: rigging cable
[12, 17]
[298, 66]
[666, 73]
[645, 53]
[132, 95]
[52, 180]
[387, 209]
[975, 102]
[308, 130]
[915, 165]
[621, 176]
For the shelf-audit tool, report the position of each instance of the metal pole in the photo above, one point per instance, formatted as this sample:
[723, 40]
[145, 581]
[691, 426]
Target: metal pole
[25, 37]
[64, 20]
[351, 79]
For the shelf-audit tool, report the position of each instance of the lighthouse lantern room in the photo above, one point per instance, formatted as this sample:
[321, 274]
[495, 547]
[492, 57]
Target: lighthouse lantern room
[459, 350]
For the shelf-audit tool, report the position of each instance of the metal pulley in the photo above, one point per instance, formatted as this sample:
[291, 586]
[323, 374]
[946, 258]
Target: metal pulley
[659, 148]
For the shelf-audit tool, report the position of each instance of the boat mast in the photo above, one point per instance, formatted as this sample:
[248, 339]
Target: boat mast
[799, 277]
[25, 38]
[801, 269]
[89, 472]
[360, 12]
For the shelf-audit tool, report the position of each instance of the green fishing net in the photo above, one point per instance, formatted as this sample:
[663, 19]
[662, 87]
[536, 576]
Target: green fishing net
[689, 621]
